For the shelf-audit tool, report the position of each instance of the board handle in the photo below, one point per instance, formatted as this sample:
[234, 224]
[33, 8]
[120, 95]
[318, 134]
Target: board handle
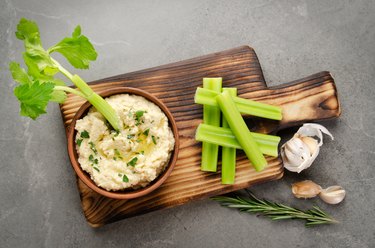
[310, 99]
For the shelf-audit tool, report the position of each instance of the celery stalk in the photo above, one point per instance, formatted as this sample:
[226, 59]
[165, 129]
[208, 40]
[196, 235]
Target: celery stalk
[105, 109]
[211, 116]
[268, 144]
[228, 154]
[245, 106]
[98, 102]
[240, 130]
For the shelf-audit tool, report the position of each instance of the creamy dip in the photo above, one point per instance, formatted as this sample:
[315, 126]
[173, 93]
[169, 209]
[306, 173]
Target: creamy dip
[132, 157]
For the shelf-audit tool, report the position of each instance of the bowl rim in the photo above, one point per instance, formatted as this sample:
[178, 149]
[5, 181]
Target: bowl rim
[85, 177]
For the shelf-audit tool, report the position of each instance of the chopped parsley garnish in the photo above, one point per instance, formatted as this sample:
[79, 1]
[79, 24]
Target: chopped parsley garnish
[145, 132]
[85, 134]
[142, 152]
[132, 162]
[138, 114]
[119, 175]
[79, 142]
[130, 136]
[91, 158]
[153, 139]
[97, 169]
[118, 154]
[125, 179]
[92, 147]
[138, 140]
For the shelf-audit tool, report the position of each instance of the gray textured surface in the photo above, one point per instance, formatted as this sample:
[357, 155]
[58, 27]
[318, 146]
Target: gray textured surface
[39, 203]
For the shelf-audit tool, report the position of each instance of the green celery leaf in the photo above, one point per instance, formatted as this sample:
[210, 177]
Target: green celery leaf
[39, 59]
[34, 71]
[77, 49]
[58, 96]
[19, 74]
[28, 31]
[34, 98]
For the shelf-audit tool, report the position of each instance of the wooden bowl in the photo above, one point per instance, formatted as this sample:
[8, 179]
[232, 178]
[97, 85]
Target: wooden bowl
[129, 193]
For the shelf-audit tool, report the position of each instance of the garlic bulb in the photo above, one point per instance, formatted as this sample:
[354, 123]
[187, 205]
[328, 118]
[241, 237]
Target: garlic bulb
[306, 189]
[333, 194]
[300, 152]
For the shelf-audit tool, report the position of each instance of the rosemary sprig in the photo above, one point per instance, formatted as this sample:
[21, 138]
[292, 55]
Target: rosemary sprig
[275, 211]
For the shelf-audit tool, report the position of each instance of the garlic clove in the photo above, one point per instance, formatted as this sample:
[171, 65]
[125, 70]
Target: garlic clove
[311, 143]
[312, 129]
[333, 194]
[305, 189]
[300, 152]
[309, 161]
[294, 154]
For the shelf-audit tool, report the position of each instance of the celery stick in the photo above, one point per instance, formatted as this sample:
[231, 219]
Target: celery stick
[240, 130]
[228, 154]
[98, 102]
[245, 106]
[211, 116]
[268, 144]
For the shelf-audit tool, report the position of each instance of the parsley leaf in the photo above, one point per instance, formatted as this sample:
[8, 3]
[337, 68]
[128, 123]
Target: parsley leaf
[79, 142]
[85, 134]
[153, 139]
[125, 179]
[132, 162]
[91, 158]
[146, 131]
[92, 147]
[77, 49]
[118, 154]
[138, 114]
[34, 98]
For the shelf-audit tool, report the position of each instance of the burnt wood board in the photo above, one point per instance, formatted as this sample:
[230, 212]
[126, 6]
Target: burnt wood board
[312, 98]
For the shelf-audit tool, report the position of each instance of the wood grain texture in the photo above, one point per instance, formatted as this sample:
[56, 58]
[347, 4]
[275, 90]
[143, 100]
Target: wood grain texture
[309, 99]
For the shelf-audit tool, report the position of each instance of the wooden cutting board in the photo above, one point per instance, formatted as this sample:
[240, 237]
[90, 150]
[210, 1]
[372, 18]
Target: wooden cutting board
[309, 99]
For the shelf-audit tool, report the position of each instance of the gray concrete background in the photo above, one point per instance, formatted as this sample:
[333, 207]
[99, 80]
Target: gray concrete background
[39, 203]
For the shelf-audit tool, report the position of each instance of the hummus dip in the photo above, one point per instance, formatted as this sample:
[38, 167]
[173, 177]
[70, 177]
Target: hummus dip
[132, 157]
